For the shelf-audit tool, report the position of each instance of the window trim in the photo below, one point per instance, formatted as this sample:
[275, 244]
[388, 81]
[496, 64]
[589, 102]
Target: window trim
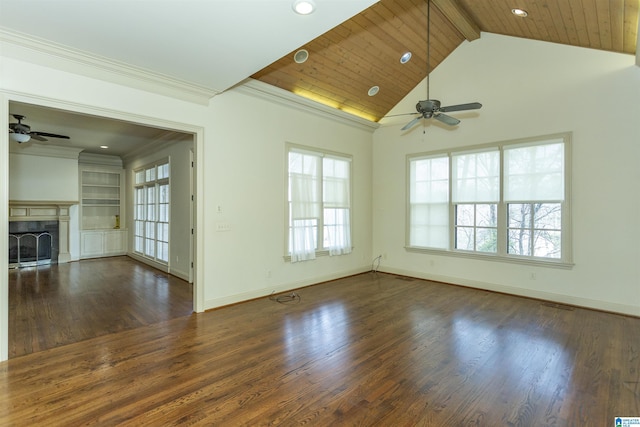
[566, 260]
[155, 183]
[322, 153]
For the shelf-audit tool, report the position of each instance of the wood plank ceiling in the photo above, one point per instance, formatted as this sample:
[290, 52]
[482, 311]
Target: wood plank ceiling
[363, 52]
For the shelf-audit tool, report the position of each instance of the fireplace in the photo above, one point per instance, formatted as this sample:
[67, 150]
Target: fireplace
[38, 233]
[29, 249]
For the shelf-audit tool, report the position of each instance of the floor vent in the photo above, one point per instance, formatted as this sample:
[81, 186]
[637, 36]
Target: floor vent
[558, 306]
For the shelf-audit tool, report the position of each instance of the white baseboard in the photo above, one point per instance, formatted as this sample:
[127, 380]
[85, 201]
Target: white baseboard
[279, 288]
[149, 262]
[179, 274]
[632, 310]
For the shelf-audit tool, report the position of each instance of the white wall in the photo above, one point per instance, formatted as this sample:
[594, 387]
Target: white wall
[178, 154]
[245, 177]
[530, 88]
[42, 178]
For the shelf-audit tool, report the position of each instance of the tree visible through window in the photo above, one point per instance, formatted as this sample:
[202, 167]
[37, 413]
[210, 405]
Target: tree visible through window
[507, 200]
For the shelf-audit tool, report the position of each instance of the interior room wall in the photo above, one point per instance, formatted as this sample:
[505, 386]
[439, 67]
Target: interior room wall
[527, 89]
[42, 178]
[246, 180]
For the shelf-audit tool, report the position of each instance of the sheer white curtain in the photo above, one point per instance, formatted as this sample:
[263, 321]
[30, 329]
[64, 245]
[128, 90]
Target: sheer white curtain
[336, 200]
[304, 205]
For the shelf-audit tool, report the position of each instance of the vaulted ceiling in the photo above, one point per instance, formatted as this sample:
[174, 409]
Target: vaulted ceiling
[210, 46]
[364, 52]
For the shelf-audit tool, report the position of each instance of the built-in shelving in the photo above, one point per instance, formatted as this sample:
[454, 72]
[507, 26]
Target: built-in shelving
[102, 228]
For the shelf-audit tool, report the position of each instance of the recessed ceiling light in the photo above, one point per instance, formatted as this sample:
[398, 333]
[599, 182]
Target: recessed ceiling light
[301, 56]
[373, 90]
[519, 12]
[406, 57]
[104, 147]
[303, 7]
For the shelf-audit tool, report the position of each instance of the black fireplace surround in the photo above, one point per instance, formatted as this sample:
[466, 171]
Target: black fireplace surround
[33, 243]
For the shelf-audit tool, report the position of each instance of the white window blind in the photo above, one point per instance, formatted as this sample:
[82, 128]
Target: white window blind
[534, 173]
[476, 177]
[429, 202]
[509, 200]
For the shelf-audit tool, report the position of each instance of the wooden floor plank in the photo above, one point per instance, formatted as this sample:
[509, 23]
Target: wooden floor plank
[55, 305]
[372, 349]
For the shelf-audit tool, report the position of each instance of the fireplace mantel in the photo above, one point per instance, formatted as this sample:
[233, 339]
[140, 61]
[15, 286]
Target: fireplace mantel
[46, 210]
[34, 210]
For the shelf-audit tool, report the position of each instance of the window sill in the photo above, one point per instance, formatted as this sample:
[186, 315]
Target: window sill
[538, 262]
[287, 258]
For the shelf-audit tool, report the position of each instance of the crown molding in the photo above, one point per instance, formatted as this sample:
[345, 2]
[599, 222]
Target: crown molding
[275, 94]
[35, 149]
[43, 52]
[158, 144]
[91, 159]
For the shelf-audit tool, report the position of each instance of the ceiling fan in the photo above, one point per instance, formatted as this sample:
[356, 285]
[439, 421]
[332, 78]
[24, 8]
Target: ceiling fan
[431, 107]
[20, 132]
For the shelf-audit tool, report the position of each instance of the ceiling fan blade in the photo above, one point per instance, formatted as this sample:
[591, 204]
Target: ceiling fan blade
[461, 107]
[451, 121]
[403, 114]
[37, 137]
[411, 123]
[51, 135]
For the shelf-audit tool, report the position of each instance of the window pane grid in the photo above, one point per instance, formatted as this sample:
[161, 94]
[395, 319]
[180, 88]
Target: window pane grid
[507, 200]
[319, 195]
[151, 212]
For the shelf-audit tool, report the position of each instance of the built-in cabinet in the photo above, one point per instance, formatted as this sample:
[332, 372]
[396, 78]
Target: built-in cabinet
[102, 230]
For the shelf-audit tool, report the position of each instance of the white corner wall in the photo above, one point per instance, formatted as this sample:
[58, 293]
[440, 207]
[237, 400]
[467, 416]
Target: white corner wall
[530, 88]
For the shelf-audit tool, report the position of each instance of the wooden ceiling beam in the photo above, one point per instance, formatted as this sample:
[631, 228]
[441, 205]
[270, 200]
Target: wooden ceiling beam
[459, 18]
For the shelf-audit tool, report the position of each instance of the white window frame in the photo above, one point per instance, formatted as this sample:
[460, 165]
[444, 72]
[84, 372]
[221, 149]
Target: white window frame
[322, 250]
[565, 260]
[147, 221]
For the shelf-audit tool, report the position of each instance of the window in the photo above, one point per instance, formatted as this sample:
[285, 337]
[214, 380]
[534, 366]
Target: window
[319, 197]
[151, 212]
[507, 201]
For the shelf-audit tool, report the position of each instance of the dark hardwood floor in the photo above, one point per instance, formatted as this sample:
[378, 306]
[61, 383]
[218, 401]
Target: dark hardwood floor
[55, 305]
[373, 349]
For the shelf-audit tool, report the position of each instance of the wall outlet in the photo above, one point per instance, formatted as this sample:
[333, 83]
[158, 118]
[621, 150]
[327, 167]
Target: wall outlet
[223, 226]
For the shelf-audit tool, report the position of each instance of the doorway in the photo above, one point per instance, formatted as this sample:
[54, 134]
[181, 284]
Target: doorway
[116, 116]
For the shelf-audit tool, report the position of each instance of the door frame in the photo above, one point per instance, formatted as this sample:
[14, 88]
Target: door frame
[197, 205]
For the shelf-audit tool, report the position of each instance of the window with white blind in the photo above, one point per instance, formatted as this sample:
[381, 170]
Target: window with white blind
[319, 199]
[509, 201]
[151, 212]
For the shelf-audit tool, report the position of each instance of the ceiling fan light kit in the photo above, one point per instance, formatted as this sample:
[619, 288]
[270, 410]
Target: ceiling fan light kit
[19, 132]
[19, 137]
